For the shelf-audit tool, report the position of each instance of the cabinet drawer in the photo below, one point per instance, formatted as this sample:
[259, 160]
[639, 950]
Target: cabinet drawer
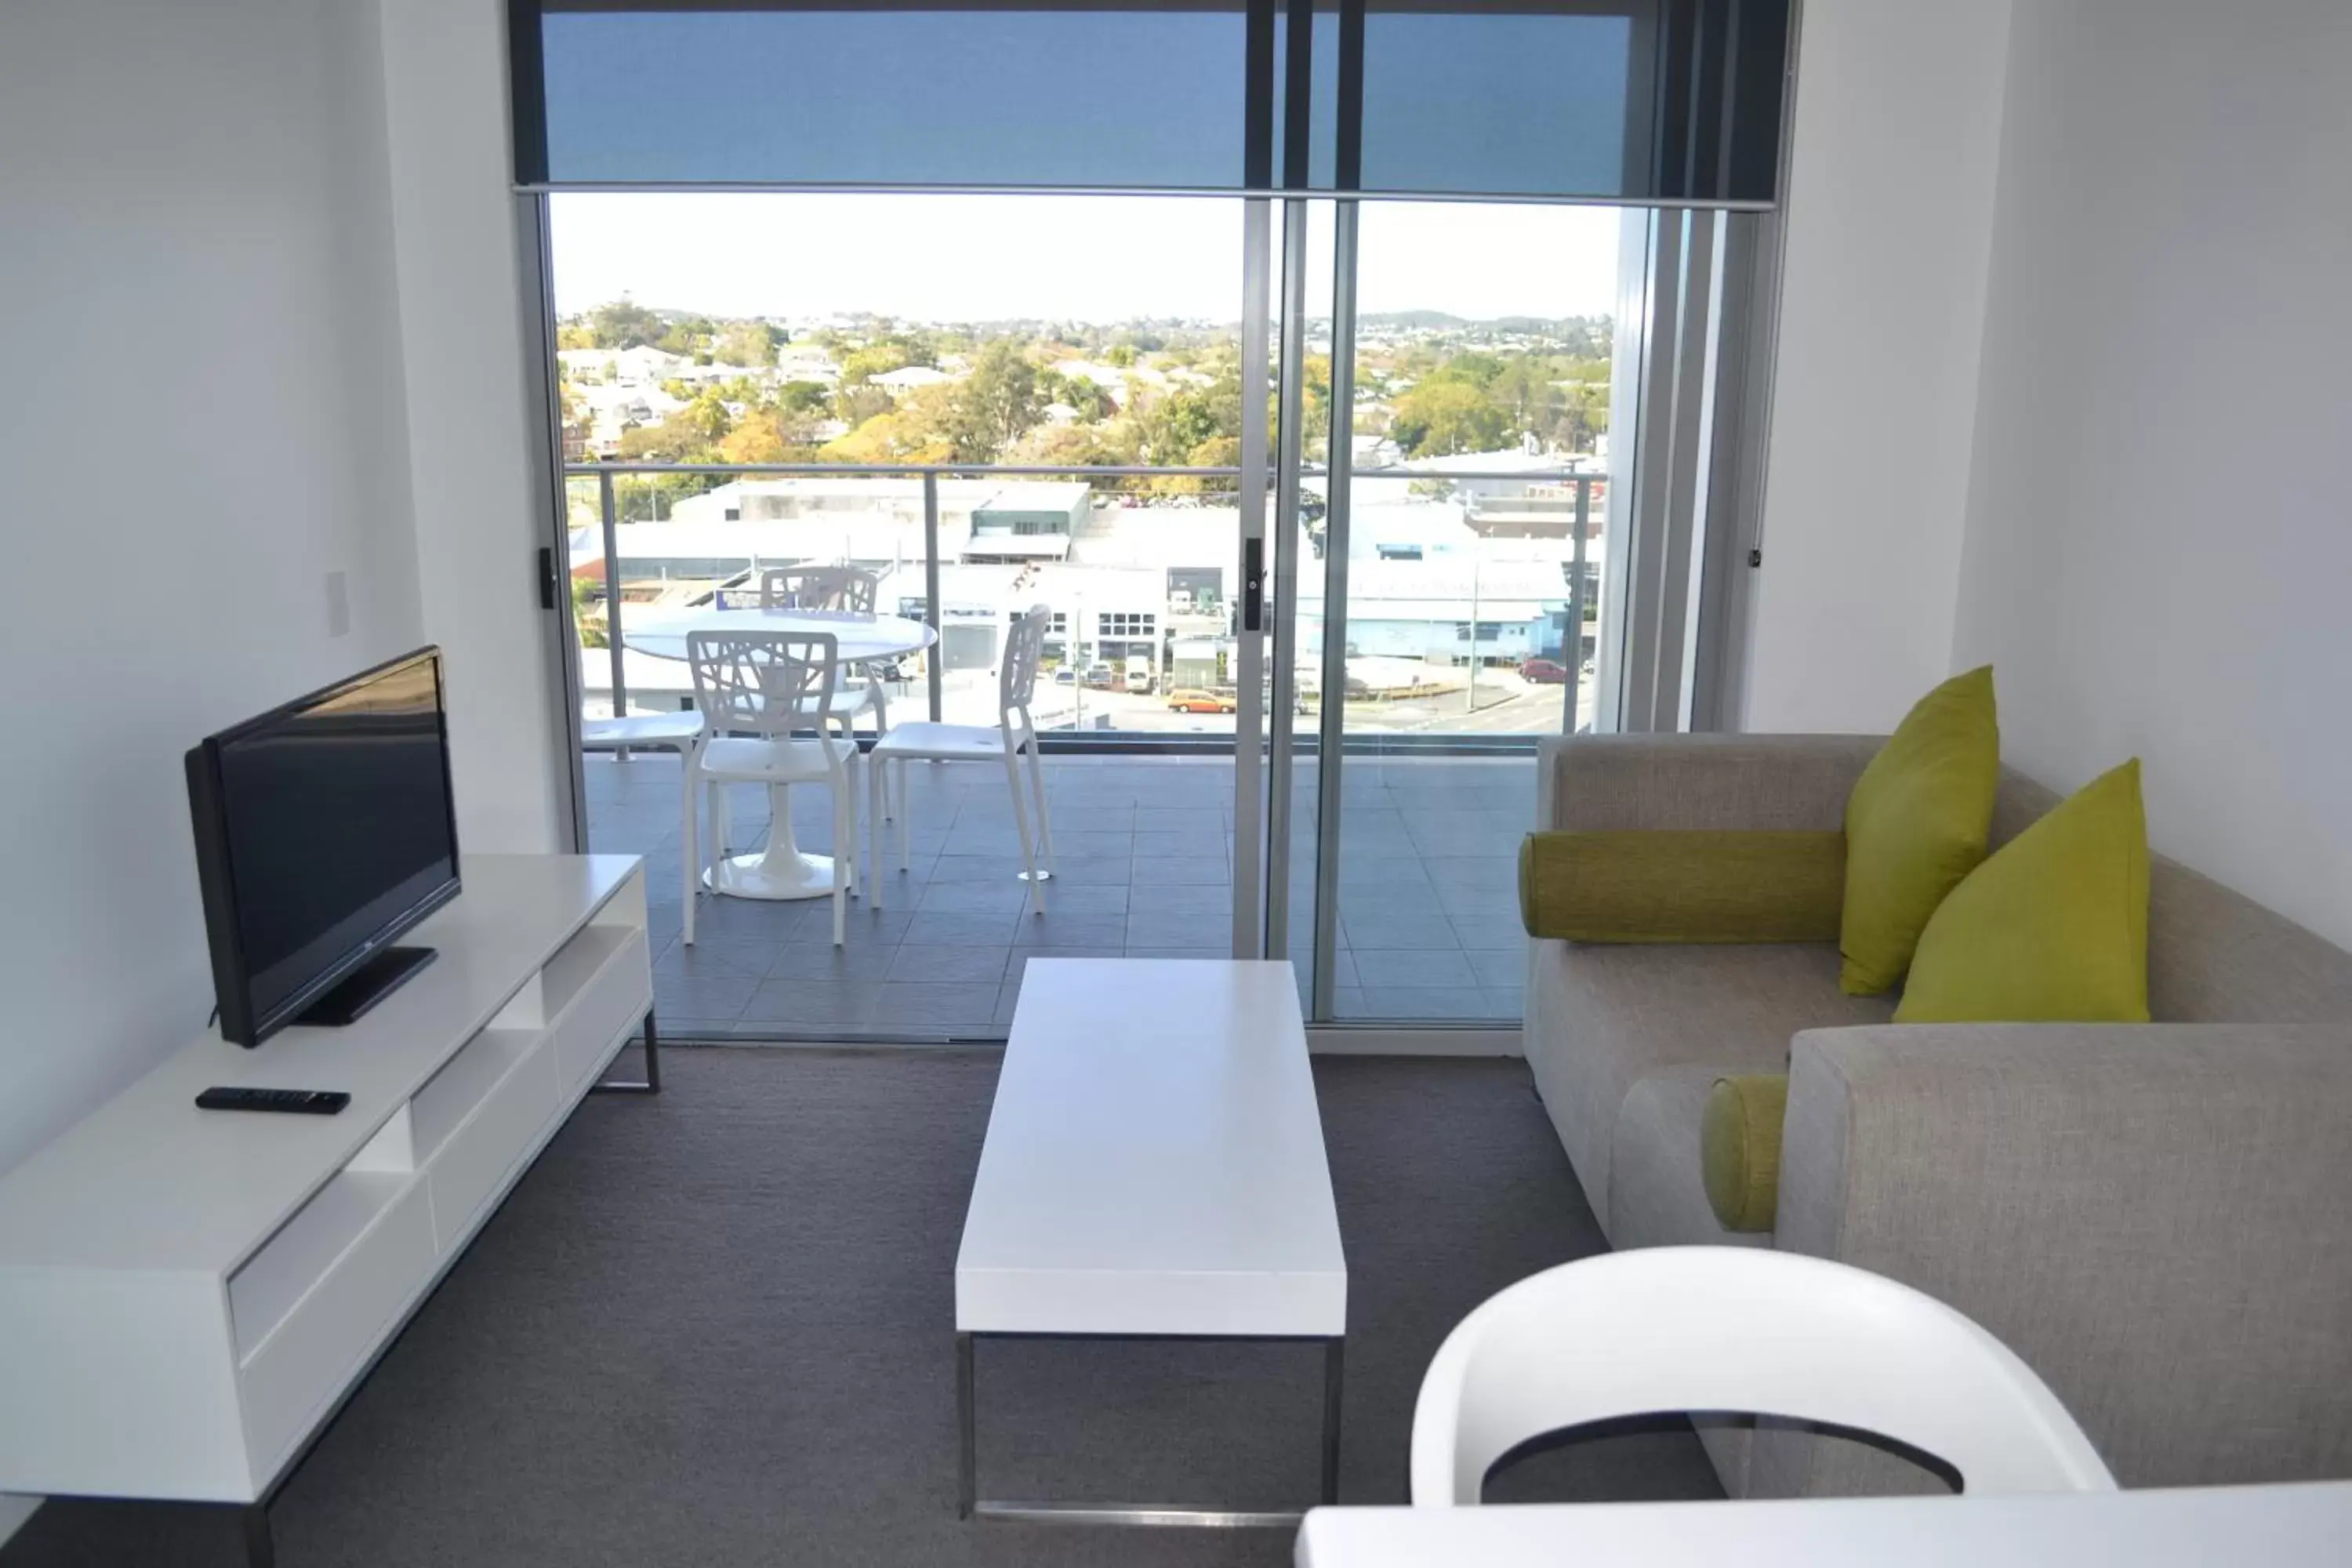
[603, 1006]
[476, 1159]
[314, 1349]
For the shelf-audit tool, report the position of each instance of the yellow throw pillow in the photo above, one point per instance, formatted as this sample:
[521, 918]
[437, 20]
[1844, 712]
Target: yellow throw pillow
[2053, 929]
[1678, 886]
[1915, 824]
[1739, 1149]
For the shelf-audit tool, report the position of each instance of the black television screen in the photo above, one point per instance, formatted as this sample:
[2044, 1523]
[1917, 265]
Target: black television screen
[324, 829]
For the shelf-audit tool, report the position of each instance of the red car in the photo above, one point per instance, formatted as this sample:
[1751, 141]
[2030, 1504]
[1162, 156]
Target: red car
[1544, 672]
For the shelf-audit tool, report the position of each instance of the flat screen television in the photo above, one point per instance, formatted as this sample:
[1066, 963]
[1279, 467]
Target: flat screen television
[325, 829]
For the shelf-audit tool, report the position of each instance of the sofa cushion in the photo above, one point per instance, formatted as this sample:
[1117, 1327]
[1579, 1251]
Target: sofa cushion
[1614, 1015]
[2214, 956]
[1657, 1194]
[1739, 1148]
[1914, 826]
[2053, 929]
[1682, 886]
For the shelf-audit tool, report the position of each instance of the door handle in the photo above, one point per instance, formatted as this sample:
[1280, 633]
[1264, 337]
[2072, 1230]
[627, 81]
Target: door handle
[1252, 584]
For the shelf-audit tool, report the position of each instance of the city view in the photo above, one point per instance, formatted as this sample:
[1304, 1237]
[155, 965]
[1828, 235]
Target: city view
[1459, 587]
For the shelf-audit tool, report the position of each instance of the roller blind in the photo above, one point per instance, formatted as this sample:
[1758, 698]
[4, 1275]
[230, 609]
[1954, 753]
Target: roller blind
[1657, 101]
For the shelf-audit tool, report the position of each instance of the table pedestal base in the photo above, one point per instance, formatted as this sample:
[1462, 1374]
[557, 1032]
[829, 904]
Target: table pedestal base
[779, 871]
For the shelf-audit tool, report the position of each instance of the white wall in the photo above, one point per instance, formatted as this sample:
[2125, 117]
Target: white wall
[1896, 139]
[204, 417]
[472, 432]
[2159, 527]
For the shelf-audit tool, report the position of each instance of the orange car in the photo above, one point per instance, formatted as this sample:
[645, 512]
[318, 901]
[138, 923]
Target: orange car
[1199, 703]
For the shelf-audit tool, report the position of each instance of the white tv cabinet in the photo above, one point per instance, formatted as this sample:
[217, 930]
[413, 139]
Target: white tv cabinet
[187, 1296]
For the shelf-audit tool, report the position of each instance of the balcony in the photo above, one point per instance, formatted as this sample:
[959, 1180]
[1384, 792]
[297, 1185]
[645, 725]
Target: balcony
[1461, 587]
[1428, 925]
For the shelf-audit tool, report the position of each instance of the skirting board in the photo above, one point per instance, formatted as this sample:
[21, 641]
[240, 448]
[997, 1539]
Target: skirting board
[1397, 1040]
[1322, 1039]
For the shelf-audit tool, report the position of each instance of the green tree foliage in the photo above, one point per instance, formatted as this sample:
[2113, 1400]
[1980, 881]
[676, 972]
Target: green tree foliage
[588, 612]
[995, 406]
[1092, 401]
[624, 324]
[802, 396]
[1440, 416]
[747, 342]
[862, 365]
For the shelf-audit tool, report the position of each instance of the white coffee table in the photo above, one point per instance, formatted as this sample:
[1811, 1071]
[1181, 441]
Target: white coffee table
[1153, 1169]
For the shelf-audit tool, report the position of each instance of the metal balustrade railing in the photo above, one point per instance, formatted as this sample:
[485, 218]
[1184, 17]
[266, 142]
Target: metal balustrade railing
[1586, 484]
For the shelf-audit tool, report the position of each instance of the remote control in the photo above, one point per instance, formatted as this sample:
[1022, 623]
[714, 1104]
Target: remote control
[301, 1102]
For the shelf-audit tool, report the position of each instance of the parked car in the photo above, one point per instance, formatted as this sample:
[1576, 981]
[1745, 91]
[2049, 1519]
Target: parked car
[1100, 676]
[1065, 676]
[1543, 671]
[1196, 701]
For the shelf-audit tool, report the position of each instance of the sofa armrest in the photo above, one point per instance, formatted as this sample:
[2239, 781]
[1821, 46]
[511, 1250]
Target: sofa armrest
[2155, 1216]
[1605, 782]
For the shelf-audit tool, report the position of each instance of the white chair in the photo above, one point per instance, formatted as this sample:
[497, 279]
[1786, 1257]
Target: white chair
[681, 732]
[766, 696]
[1013, 734]
[833, 588]
[1735, 1329]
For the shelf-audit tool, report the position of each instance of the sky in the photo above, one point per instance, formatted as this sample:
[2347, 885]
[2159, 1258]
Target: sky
[1078, 258]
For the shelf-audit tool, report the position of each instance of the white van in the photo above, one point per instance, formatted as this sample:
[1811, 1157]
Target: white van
[1138, 673]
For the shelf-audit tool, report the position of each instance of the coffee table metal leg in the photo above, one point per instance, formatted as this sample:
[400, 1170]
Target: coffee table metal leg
[967, 1456]
[1334, 1355]
[970, 1504]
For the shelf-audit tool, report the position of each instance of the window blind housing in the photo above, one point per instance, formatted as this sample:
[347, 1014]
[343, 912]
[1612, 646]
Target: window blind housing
[1664, 101]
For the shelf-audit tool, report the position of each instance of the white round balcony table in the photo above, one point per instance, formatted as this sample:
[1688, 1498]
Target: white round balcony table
[779, 868]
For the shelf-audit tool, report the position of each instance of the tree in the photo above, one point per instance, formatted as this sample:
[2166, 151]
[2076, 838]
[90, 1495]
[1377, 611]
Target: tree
[746, 343]
[756, 440]
[1089, 398]
[1441, 416]
[624, 324]
[887, 439]
[801, 396]
[875, 359]
[995, 406]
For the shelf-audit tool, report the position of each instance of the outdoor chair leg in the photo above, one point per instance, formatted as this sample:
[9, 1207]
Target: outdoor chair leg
[1038, 785]
[1020, 822]
[690, 843]
[906, 821]
[877, 772]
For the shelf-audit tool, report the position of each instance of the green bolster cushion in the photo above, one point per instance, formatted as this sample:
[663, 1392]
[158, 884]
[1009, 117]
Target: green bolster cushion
[1677, 886]
[1739, 1149]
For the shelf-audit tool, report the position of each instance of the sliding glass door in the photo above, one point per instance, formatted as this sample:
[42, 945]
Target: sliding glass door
[1448, 604]
[1341, 392]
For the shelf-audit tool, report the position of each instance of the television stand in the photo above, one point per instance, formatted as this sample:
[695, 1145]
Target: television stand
[186, 1298]
[362, 988]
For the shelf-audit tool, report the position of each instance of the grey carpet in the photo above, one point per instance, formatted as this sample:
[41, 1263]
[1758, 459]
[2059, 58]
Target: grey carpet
[716, 1327]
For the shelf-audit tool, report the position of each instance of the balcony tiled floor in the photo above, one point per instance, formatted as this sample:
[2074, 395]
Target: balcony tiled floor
[1428, 914]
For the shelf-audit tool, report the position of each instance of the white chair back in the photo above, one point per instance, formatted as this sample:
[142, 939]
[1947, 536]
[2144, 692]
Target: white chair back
[1016, 672]
[1746, 1330]
[769, 684]
[818, 588]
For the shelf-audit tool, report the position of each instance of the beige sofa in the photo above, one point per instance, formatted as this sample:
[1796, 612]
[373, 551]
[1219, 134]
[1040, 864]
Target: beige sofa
[2158, 1217]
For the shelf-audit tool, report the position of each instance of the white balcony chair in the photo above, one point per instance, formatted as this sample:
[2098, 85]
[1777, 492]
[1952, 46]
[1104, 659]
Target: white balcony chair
[767, 696]
[1689, 1329]
[681, 732]
[1013, 734]
[833, 588]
